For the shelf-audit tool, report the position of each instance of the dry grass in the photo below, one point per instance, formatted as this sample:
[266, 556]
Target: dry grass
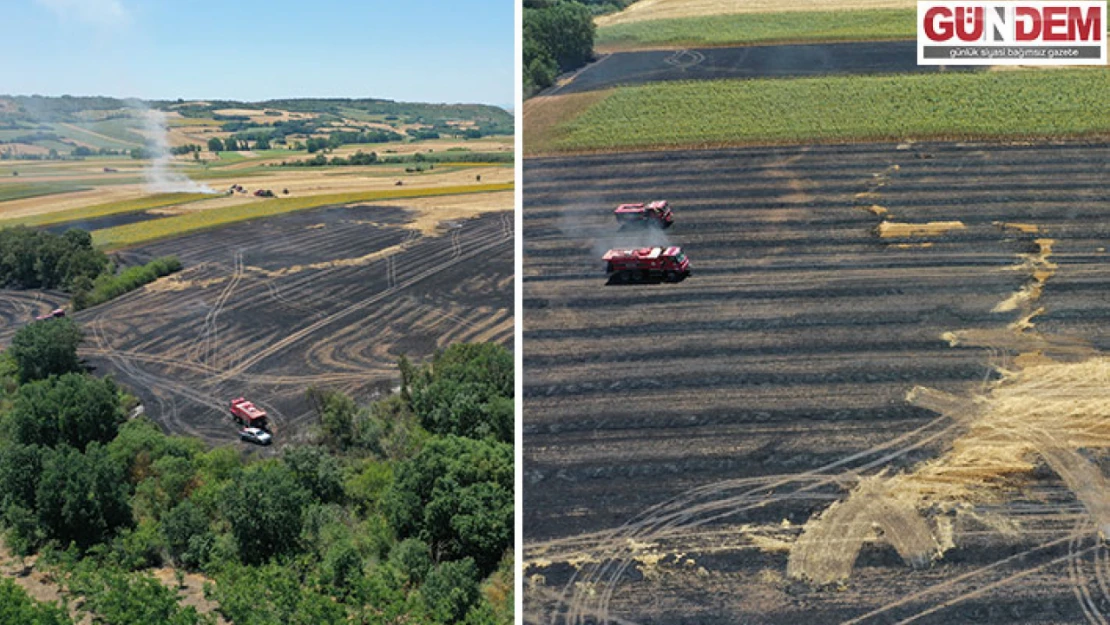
[649, 10]
[432, 211]
[1041, 409]
[897, 230]
[545, 118]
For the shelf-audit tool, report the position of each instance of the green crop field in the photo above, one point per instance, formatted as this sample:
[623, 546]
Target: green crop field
[110, 208]
[231, 157]
[176, 122]
[19, 191]
[142, 232]
[719, 30]
[1011, 104]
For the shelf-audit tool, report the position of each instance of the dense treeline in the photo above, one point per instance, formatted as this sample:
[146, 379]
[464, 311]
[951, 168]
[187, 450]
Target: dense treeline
[362, 158]
[35, 259]
[558, 37]
[399, 511]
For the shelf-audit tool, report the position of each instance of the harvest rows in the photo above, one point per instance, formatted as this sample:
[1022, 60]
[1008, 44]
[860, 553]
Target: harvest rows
[328, 298]
[679, 437]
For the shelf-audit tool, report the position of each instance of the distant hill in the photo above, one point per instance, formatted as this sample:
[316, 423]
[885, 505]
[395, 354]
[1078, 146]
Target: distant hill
[38, 127]
[66, 108]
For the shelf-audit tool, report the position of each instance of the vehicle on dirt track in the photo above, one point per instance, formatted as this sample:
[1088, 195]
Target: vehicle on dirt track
[647, 263]
[249, 415]
[653, 213]
[256, 436]
[57, 313]
[263, 193]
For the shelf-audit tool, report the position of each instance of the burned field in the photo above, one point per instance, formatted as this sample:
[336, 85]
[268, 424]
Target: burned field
[882, 395]
[20, 307]
[777, 61]
[327, 298]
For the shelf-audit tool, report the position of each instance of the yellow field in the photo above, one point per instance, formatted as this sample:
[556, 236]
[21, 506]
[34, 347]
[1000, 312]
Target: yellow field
[649, 10]
[431, 211]
[306, 181]
[103, 210]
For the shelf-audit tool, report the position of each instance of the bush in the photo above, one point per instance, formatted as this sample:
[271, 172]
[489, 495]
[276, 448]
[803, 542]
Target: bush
[122, 598]
[17, 608]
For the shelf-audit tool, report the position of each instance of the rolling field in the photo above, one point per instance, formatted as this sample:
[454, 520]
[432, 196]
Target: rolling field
[327, 297]
[881, 397]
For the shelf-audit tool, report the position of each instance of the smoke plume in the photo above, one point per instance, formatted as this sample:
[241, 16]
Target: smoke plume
[160, 175]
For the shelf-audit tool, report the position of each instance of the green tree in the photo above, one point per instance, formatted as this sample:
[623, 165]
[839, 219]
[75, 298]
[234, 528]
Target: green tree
[316, 472]
[467, 391]
[273, 595]
[565, 31]
[412, 558]
[342, 568]
[264, 507]
[336, 412]
[456, 495]
[20, 470]
[215, 145]
[187, 534]
[451, 589]
[81, 497]
[46, 348]
[74, 409]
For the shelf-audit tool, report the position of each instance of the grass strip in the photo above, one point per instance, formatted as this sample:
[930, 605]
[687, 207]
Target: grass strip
[1020, 104]
[152, 230]
[108, 287]
[21, 191]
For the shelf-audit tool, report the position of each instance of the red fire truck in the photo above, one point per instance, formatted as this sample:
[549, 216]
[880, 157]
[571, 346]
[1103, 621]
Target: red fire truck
[646, 263]
[657, 213]
[248, 414]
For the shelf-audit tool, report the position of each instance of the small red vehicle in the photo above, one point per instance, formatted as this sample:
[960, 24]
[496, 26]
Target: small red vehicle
[248, 414]
[657, 213]
[646, 263]
[57, 313]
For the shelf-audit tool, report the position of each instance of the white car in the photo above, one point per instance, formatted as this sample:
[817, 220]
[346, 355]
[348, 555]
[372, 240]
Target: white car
[255, 435]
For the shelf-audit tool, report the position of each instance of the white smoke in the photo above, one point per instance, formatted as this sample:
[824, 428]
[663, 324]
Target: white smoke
[160, 175]
[592, 223]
